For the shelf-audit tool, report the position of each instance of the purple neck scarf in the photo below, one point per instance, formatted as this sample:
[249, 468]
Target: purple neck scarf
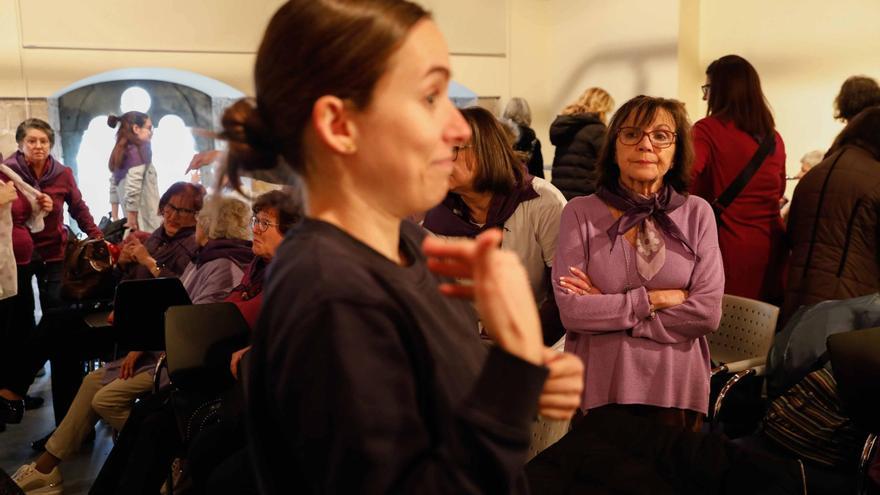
[452, 216]
[649, 214]
[52, 171]
[237, 250]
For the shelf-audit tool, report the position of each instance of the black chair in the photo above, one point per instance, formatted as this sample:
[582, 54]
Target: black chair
[855, 360]
[139, 311]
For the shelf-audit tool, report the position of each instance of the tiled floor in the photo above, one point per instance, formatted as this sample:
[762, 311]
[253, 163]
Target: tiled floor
[79, 471]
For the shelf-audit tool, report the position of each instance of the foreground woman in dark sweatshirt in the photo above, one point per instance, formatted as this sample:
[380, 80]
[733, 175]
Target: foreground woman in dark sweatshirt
[362, 374]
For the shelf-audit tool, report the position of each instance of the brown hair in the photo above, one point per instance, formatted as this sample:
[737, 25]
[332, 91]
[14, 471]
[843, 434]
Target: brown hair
[862, 131]
[310, 49]
[735, 95]
[194, 195]
[856, 94]
[498, 168]
[643, 109]
[38, 124]
[125, 135]
[287, 202]
[593, 100]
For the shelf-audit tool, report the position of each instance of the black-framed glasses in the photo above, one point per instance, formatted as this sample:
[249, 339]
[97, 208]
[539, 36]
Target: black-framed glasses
[260, 225]
[457, 148]
[170, 209]
[705, 89]
[660, 138]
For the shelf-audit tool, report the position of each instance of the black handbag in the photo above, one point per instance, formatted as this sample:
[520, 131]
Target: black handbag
[114, 230]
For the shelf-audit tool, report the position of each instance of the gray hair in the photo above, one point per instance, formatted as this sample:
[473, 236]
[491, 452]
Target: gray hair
[225, 217]
[813, 158]
[518, 110]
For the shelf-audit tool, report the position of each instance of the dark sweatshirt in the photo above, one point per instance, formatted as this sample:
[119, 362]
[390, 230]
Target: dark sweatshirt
[363, 378]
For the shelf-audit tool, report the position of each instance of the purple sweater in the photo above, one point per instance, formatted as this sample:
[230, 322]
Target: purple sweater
[629, 357]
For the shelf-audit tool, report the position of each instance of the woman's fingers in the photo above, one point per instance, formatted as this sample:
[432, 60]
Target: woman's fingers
[449, 267]
[457, 291]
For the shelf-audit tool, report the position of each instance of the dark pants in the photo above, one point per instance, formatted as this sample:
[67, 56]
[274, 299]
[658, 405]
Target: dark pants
[219, 461]
[141, 459]
[48, 275]
[625, 454]
[19, 359]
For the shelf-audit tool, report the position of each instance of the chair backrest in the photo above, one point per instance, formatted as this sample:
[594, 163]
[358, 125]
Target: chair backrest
[546, 432]
[746, 330]
[855, 361]
[139, 311]
[199, 342]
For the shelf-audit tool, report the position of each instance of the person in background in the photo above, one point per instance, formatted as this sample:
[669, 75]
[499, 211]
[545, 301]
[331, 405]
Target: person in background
[368, 123]
[750, 229]
[638, 273]
[808, 161]
[527, 142]
[856, 94]
[22, 209]
[134, 183]
[833, 227]
[489, 188]
[578, 134]
[36, 166]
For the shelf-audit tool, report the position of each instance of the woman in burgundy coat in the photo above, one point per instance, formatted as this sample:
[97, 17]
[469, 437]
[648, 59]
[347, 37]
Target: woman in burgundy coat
[750, 230]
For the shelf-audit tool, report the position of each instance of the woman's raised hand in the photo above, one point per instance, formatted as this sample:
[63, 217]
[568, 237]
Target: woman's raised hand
[500, 288]
[45, 202]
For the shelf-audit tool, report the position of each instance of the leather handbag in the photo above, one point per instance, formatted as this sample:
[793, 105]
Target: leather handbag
[88, 270]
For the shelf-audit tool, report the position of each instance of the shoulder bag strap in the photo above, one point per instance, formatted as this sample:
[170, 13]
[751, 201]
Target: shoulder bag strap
[728, 195]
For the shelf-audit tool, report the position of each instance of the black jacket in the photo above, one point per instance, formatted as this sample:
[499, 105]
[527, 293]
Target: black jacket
[578, 139]
[529, 143]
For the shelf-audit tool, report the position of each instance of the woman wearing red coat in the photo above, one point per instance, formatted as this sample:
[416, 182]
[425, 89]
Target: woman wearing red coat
[750, 230]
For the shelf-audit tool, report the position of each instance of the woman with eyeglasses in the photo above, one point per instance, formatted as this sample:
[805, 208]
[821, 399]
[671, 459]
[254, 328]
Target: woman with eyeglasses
[750, 229]
[171, 247]
[638, 272]
[490, 188]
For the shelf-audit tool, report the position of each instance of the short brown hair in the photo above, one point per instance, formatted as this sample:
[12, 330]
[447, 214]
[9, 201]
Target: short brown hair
[38, 124]
[498, 168]
[856, 94]
[194, 195]
[288, 204]
[643, 109]
[862, 131]
[311, 48]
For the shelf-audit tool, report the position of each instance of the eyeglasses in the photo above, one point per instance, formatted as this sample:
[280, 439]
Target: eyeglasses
[705, 89]
[660, 138]
[261, 226]
[170, 210]
[457, 148]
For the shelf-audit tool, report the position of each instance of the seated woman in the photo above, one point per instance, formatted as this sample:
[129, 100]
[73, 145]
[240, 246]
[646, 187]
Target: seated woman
[109, 392]
[139, 461]
[489, 188]
[639, 272]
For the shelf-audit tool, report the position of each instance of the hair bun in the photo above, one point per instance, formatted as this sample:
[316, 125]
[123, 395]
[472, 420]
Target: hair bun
[112, 120]
[251, 142]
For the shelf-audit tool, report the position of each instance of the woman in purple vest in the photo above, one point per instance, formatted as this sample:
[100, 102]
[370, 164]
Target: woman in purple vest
[134, 183]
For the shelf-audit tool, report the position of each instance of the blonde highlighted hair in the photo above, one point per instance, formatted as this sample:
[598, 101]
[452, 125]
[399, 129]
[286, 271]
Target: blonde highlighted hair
[593, 100]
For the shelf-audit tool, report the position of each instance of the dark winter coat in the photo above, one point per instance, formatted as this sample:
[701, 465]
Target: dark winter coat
[578, 139]
[834, 230]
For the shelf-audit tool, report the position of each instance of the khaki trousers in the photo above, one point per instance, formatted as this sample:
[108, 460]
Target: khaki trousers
[111, 402]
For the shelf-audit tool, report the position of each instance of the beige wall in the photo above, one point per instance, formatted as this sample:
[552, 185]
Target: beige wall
[803, 51]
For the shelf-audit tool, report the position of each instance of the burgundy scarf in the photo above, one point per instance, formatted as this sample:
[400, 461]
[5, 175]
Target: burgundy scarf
[644, 213]
[452, 217]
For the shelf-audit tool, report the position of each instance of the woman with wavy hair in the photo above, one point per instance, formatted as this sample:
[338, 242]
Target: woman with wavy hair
[578, 134]
[750, 229]
[133, 183]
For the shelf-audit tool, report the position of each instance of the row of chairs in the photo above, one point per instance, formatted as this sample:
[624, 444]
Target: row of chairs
[740, 347]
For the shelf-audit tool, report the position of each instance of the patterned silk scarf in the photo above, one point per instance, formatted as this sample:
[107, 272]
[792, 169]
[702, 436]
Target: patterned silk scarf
[650, 215]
